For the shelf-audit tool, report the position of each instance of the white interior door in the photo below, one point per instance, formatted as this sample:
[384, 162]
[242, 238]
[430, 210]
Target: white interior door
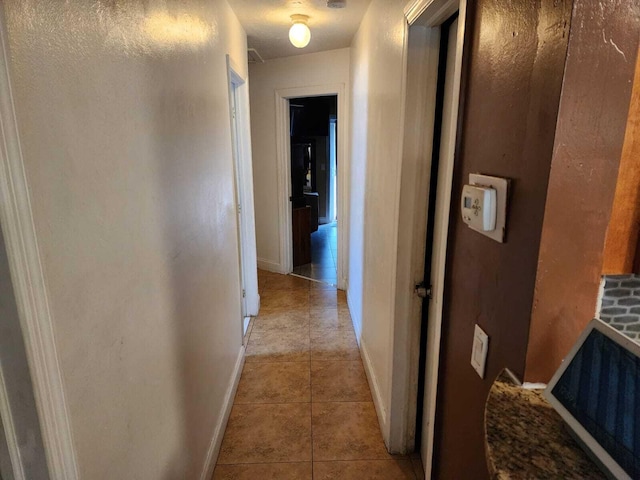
[243, 179]
[239, 199]
[438, 258]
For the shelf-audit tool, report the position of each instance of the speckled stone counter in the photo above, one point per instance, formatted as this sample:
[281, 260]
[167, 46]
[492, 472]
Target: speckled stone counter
[526, 438]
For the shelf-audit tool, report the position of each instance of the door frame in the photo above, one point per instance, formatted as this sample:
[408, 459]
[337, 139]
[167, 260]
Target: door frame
[416, 165]
[283, 163]
[8, 431]
[29, 286]
[243, 191]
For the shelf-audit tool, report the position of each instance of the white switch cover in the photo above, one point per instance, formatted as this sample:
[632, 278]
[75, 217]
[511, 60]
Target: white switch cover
[479, 350]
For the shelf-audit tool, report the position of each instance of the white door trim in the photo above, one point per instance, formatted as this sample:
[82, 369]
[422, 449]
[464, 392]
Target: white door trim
[234, 81]
[243, 171]
[434, 327]
[283, 153]
[431, 14]
[30, 289]
[6, 424]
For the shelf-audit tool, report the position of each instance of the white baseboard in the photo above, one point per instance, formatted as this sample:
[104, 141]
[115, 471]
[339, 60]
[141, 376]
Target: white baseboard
[218, 433]
[245, 325]
[378, 401]
[356, 321]
[269, 266]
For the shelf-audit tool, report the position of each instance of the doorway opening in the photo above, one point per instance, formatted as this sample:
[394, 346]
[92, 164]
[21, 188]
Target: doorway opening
[314, 165]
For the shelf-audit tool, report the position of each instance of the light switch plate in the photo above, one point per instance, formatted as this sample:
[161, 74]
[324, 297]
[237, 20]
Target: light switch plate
[479, 350]
[501, 186]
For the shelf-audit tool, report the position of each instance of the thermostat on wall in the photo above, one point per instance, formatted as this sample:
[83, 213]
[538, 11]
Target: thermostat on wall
[479, 207]
[484, 205]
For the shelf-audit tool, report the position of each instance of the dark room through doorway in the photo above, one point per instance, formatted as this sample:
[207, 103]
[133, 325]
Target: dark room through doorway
[313, 135]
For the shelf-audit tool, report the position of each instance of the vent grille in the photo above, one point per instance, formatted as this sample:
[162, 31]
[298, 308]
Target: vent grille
[336, 3]
[254, 56]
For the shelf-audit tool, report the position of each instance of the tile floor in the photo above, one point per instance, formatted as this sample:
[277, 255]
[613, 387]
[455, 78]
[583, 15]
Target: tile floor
[303, 409]
[324, 252]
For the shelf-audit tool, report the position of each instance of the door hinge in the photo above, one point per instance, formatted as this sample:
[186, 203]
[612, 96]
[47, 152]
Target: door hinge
[422, 290]
[244, 293]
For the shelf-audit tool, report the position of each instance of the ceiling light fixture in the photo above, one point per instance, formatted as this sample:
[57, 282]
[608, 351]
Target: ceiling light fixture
[299, 33]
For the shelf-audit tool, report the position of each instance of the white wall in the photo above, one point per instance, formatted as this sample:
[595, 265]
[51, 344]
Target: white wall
[324, 68]
[377, 62]
[123, 114]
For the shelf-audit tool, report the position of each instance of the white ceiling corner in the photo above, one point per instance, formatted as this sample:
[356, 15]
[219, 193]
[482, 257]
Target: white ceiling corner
[267, 24]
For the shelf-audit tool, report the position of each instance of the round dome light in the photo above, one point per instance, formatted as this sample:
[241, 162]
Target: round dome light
[299, 33]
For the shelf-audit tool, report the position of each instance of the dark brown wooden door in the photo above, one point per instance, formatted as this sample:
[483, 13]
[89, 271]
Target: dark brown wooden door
[301, 236]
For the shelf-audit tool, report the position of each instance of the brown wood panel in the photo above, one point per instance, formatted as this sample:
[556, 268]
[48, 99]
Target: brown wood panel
[622, 236]
[515, 53]
[301, 220]
[589, 138]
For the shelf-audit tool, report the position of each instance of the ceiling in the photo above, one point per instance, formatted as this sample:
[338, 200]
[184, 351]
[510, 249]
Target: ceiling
[267, 24]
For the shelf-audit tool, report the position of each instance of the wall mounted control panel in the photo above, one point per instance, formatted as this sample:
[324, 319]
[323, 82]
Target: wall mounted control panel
[479, 207]
[484, 205]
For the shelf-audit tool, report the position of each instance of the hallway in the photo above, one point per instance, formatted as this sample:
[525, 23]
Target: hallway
[303, 408]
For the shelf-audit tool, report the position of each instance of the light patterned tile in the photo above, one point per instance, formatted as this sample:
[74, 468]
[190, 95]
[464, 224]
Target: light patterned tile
[321, 286]
[264, 471]
[334, 345]
[263, 277]
[287, 282]
[278, 300]
[323, 298]
[399, 469]
[322, 319]
[279, 382]
[343, 309]
[339, 382]
[342, 298]
[346, 431]
[282, 320]
[278, 346]
[267, 433]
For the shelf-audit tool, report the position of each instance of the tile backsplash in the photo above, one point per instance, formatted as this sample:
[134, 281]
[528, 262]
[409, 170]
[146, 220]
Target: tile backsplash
[621, 304]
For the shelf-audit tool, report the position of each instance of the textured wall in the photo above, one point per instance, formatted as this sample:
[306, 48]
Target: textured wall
[324, 68]
[123, 113]
[376, 129]
[620, 305]
[586, 155]
[515, 54]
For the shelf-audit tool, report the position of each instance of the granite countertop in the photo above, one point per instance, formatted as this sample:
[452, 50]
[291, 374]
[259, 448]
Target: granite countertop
[526, 438]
